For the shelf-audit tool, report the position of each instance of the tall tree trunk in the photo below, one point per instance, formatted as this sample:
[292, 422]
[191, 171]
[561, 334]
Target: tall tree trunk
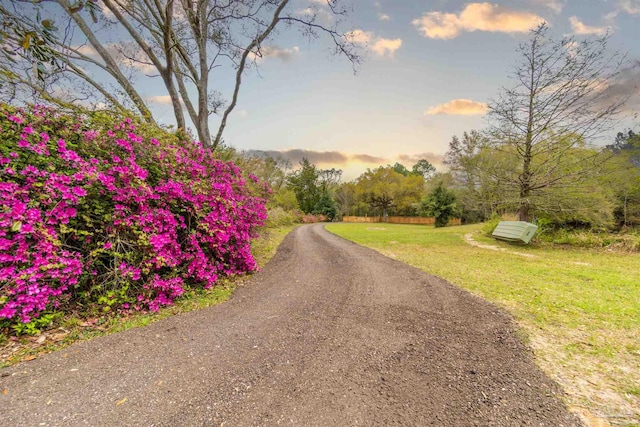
[523, 210]
[525, 177]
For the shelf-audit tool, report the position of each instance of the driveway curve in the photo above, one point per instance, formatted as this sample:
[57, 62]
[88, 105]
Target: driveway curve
[328, 334]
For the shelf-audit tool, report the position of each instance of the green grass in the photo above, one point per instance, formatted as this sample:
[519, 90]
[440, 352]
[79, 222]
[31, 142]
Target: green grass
[579, 308]
[68, 329]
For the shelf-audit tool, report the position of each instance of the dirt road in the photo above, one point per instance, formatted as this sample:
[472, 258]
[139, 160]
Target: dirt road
[328, 334]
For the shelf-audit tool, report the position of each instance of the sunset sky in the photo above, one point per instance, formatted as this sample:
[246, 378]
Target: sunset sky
[430, 69]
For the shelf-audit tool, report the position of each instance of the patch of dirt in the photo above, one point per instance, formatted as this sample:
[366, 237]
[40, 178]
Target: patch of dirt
[30, 345]
[470, 240]
[580, 385]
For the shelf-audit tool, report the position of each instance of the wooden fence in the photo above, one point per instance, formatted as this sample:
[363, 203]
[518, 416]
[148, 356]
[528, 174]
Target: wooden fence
[399, 220]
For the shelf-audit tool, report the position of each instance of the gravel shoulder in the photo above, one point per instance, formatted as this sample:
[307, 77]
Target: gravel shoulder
[329, 333]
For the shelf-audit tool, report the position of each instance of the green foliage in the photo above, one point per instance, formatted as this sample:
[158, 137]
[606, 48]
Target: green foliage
[304, 183]
[622, 177]
[28, 37]
[440, 204]
[313, 188]
[284, 198]
[346, 201]
[326, 206]
[271, 170]
[385, 190]
[491, 224]
[401, 169]
[476, 193]
[278, 217]
[627, 242]
[423, 168]
[574, 192]
[35, 326]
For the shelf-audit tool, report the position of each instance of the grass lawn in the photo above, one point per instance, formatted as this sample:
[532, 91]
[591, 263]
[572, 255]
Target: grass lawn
[579, 308]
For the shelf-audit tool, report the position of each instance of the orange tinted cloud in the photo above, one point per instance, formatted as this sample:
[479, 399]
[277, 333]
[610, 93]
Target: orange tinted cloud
[319, 157]
[412, 159]
[578, 27]
[475, 17]
[381, 46]
[462, 107]
[386, 47]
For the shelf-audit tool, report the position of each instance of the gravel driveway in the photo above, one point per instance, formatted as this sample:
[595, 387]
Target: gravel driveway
[328, 334]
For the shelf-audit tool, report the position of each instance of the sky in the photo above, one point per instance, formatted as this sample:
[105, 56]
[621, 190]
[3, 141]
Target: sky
[429, 70]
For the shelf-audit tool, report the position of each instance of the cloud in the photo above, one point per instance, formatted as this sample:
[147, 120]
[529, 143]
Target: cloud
[475, 17]
[632, 7]
[462, 107]
[320, 14]
[381, 46]
[127, 54]
[626, 85]
[335, 158]
[386, 47]
[412, 159]
[555, 6]
[161, 99]
[86, 49]
[143, 67]
[359, 36]
[285, 55]
[384, 17]
[579, 28]
[366, 158]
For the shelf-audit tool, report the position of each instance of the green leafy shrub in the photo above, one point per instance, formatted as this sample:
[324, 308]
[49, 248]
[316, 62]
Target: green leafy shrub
[440, 204]
[491, 224]
[626, 242]
[278, 217]
[35, 326]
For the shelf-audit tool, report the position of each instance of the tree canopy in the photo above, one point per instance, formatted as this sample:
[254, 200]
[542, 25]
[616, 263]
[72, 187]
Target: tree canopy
[561, 99]
[87, 52]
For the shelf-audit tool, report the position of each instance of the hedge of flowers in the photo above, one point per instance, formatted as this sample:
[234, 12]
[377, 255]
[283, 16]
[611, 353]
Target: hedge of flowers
[99, 211]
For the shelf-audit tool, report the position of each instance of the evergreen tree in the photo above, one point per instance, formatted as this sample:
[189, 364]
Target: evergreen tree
[440, 204]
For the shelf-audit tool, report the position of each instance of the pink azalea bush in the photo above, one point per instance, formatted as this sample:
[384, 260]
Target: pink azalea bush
[100, 211]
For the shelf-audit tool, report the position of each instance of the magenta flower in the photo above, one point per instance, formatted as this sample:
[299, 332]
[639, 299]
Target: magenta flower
[188, 226]
[79, 191]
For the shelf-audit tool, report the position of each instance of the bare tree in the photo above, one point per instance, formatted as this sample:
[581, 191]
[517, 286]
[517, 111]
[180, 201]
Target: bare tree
[561, 101]
[100, 46]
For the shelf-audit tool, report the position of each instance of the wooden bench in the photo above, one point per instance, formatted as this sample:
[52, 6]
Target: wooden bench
[514, 231]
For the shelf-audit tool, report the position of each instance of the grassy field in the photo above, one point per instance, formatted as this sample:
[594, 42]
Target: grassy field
[579, 308]
[69, 329]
